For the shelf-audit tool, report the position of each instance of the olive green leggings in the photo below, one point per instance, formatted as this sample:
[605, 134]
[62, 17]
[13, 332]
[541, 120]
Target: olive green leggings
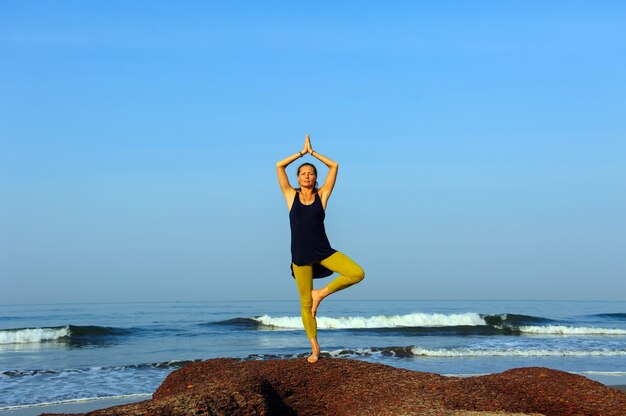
[350, 273]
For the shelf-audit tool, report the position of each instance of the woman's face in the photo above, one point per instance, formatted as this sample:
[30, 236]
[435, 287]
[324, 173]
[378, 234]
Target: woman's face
[307, 177]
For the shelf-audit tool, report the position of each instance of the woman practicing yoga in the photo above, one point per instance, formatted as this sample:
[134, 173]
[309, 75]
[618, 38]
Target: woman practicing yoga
[311, 254]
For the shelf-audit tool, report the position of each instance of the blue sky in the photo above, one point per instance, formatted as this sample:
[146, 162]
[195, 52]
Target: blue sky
[481, 147]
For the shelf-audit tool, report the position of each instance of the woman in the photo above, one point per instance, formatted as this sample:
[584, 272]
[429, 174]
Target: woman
[311, 254]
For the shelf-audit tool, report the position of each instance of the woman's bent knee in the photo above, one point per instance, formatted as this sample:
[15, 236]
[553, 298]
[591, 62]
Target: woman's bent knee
[358, 275]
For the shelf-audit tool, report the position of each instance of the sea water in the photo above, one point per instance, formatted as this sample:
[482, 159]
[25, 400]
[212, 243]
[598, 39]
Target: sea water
[73, 352]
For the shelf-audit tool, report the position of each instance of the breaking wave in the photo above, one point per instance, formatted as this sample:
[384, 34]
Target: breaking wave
[570, 330]
[58, 333]
[469, 323]
[31, 335]
[513, 319]
[382, 321]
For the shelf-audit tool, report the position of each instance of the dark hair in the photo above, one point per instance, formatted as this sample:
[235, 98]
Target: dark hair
[314, 170]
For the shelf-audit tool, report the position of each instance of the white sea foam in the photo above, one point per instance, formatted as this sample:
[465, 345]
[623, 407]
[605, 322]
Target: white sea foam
[32, 335]
[352, 352]
[79, 384]
[513, 352]
[603, 373]
[468, 352]
[570, 330]
[380, 321]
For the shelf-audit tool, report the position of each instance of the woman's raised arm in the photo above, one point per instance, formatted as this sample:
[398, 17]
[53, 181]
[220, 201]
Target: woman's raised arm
[333, 167]
[283, 180]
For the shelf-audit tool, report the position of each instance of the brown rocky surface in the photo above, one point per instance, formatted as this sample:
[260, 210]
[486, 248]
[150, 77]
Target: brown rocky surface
[340, 387]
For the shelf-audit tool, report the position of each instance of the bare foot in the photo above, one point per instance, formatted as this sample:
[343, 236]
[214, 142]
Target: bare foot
[317, 296]
[315, 354]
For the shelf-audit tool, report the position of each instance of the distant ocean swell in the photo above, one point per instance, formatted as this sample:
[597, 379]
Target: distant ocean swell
[615, 316]
[436, 324]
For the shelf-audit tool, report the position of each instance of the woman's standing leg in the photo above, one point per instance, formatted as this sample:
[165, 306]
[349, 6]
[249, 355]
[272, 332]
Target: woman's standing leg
[350, 274]
[304, 280]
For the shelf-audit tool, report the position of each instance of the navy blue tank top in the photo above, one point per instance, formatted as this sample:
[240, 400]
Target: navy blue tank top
[309, 243]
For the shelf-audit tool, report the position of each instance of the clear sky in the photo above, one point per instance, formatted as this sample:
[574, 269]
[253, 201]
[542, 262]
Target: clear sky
[482, 147]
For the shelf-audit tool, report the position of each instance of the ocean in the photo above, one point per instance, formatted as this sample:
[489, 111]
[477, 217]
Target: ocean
[75, 352]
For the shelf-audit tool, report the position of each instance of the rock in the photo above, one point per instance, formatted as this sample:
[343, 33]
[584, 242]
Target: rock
[341, 387]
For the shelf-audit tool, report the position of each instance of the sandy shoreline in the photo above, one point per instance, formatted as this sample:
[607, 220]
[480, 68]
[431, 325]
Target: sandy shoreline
[89, 405]
[74, 407]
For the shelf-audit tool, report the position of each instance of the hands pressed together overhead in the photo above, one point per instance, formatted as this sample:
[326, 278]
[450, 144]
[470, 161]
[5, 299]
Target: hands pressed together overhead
[307, 146]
